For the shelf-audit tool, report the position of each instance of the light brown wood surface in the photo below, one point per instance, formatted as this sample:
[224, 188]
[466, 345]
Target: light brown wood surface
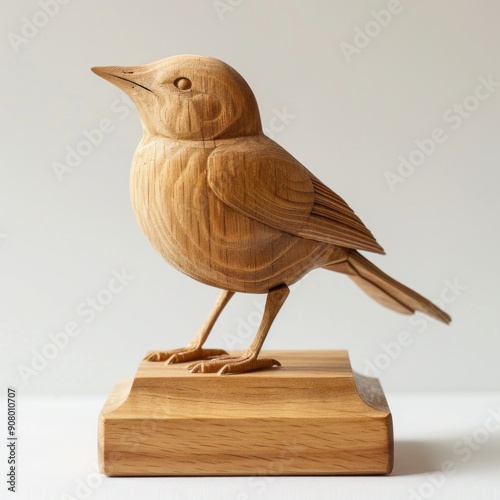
[229, 207]
[311, 416]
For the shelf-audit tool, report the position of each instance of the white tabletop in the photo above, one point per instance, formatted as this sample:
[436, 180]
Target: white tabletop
[58, 457]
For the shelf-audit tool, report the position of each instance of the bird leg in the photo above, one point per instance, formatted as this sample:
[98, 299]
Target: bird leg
[249, 361]
[194, 349]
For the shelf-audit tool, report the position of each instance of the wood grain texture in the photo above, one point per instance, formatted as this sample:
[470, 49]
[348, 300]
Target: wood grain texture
[310, 416]
[228, 206]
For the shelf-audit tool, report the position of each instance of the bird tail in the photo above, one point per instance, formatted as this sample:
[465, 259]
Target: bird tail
[384, 289]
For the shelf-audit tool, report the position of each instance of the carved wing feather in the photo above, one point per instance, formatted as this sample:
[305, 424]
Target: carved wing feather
[261, 180]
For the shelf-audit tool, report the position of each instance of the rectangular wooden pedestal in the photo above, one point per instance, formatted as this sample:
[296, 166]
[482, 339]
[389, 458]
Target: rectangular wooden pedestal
[310, 416]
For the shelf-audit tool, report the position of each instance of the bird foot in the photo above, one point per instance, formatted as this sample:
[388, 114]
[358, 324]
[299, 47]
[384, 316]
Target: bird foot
[226, 365]
[184, 354]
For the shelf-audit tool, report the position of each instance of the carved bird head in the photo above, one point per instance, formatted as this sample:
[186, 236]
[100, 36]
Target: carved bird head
[188, 97]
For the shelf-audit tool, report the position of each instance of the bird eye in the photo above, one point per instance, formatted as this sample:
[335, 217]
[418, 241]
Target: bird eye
[182, 83]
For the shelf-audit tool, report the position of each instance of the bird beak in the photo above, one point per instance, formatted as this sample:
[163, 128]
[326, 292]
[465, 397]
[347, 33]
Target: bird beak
[128, 78]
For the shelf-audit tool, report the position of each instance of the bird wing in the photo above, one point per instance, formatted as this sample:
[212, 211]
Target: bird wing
[259, 179]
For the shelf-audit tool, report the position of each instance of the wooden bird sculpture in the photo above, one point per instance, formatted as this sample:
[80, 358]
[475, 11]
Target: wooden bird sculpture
[231, 208]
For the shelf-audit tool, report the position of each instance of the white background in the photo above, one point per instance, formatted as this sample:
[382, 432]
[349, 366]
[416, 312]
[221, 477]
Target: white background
[62, 238]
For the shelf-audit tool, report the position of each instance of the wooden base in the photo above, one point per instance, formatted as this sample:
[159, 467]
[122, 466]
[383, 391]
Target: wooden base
[311, 416]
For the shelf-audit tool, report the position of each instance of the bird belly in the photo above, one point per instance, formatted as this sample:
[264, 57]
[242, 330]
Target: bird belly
[204, 238]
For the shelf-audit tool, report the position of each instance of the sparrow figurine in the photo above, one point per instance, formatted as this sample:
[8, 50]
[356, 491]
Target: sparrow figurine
[229, 207]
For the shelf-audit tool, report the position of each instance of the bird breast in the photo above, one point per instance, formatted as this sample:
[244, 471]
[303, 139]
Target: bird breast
[200, 235]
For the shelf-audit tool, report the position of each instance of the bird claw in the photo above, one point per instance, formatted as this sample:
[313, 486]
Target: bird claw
[226, 365]
[158, 356]
[184, 354]
[195, 354]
